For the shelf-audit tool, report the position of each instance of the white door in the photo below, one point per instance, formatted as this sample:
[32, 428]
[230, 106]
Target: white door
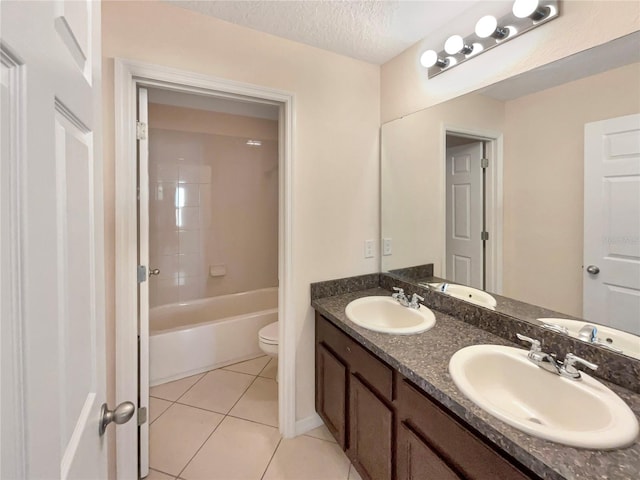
[611, 287]
[52, 218]
[143, 287]
[464, 223]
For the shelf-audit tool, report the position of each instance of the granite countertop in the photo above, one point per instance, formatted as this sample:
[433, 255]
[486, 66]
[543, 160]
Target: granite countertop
[424, 359]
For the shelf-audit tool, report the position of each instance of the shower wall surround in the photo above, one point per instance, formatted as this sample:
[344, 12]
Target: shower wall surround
[213, 203]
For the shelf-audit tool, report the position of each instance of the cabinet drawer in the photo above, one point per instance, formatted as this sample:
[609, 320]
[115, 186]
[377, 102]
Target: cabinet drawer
[362, 363]
[453, 442]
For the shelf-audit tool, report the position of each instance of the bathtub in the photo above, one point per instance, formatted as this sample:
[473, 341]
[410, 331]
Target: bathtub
[193, 337]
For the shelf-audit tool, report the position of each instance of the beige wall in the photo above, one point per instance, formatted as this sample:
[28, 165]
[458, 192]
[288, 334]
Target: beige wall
[335, 170]
[543, 184]
[581, 25]
[213, 203]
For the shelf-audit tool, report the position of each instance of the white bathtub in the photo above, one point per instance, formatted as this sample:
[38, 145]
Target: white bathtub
[193, 337]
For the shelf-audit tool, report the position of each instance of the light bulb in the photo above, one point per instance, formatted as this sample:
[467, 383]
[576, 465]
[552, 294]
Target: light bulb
[529, 8]
[487, 26]
[453, 44]
[430, 58]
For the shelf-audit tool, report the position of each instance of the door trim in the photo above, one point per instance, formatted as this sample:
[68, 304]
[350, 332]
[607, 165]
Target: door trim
[493, 197]
[128, 75]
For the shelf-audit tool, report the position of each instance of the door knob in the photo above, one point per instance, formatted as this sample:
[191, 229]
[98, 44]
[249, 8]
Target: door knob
[593, 269]
[121, 414]
[154, 271]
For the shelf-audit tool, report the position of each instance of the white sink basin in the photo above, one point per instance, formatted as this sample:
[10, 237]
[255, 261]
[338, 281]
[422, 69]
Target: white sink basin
[628, 343]
[385, 314]
[580, 413]
[468, 294]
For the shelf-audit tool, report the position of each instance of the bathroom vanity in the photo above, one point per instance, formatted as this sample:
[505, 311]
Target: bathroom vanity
[392, 406]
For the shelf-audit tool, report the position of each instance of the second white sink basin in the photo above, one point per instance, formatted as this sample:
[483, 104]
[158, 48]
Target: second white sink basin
[385, 314]
[627, 343]
[468, 294]
[580, 413]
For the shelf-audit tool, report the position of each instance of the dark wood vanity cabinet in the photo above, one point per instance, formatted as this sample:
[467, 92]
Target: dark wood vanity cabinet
[389, 428]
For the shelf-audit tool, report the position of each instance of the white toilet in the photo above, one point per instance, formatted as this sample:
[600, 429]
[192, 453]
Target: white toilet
[268, 339]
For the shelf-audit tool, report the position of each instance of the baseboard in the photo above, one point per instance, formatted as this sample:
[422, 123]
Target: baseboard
[307, 424]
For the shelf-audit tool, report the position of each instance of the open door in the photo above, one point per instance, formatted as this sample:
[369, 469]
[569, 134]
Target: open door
[143, 279]
[53, 382]
[611, 286]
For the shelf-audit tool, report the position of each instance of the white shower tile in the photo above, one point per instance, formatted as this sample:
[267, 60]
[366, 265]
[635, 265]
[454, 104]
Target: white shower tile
[194, 174]
[167, 172]
[165, 292]
[190, 265]
[188, 218]
[163, 242]
[192, 288]
[168, 265]
[187, 195]
[191, 241]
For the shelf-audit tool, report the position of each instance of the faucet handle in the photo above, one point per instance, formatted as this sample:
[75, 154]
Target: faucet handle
[535, 344]
[415, 299]
[400, 292]
[570, 360]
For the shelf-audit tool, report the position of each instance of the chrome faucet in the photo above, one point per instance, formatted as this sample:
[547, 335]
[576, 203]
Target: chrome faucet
[568, 366]
[546, 361]
[415, 299]
[549, 362]
[404, 301]
[400, 296]
[588, 333]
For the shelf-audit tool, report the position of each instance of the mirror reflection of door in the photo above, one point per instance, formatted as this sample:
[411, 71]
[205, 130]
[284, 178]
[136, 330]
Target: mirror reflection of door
[612, 223]
[464, 243]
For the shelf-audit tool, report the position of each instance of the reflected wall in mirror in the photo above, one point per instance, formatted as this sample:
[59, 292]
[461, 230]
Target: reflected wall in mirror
[532, 128]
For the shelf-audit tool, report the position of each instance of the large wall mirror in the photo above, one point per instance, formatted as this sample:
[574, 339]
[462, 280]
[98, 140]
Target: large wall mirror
[514, 224]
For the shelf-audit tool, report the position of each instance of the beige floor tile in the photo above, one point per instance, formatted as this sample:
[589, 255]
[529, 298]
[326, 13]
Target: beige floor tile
[157, 407]
[259, 403]
[174, 390]
[271, 369]
[218, 391]
[237, 450]
[309, 459]
[250, 367]
[177, 435]
[353, 474]
[155, 475]
[322, 432]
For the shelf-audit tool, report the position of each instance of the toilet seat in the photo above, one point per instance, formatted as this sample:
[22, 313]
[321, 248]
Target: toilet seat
[269, 334]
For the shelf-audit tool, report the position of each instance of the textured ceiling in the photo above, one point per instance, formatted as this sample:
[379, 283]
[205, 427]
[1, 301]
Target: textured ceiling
[373, 31]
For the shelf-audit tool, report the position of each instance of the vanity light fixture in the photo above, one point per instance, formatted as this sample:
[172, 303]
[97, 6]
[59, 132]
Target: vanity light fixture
[489, 33]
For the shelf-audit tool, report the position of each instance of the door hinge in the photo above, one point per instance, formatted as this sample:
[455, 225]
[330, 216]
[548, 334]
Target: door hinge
[142, 273]
[484, 162]
[142, 415]
[484, 235]
[141, 131]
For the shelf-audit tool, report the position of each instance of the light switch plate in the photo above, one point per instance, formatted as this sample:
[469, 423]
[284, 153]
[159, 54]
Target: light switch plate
[368, 249]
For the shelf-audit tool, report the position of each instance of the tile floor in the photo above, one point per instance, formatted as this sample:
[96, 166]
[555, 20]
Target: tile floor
[222, 425]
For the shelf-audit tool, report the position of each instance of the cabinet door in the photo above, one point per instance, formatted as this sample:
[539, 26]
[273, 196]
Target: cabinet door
[370, 437]
[331, 393]
[416, 461]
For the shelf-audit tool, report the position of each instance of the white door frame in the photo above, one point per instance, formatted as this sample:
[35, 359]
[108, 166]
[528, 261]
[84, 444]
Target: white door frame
[493, 197]
[128, 75]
